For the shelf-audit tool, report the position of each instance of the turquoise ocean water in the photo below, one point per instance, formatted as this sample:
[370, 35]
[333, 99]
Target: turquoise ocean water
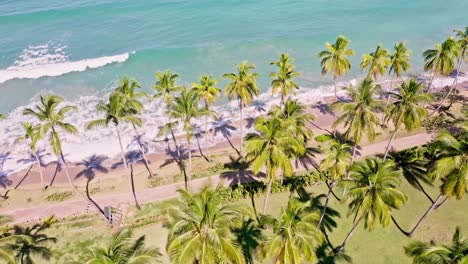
[192, 37]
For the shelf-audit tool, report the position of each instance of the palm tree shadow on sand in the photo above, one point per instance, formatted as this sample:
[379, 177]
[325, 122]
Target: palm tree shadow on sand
[31, 160]
[173, 157]
[92, 165]
[58, 168]
[5, 182]
[222, 125]
[4, 157]
[198, 135]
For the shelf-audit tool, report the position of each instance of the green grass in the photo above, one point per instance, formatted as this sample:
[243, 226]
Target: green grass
[381, 245]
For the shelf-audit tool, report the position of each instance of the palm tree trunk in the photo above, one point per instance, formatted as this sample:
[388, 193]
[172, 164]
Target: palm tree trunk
[324, 211]
[267, 195]
[206, 134]
[349, 171]
[334, 85]
[387, 149]
[430, 82]
[241, 127]
[132, 187]
[348, 236]
[40, 169]
[190, 157]
[425, 215]
[179, 160]
[454, 85]
[122, 152]
[388, 96]
[143, 154]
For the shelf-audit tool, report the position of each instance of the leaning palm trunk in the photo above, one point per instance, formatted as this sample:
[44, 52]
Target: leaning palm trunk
[241, 127]
[132, 187]
[121, 146]
[143, 154]
[349, 171]
[388, 95]
[454, 85]
[324, 211]
[267, 195]
[430, 82]
[433, 206]
[387, 149]
[189, 146]
[40, 169]
[349, 236]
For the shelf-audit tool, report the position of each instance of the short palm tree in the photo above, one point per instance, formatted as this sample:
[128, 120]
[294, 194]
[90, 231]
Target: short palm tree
[455, 253]
[165, 86]
[450, 167]
[201, 229]
[283, 80]
[51, 118]
[358, 115]
[462, 36]
[272, 147]
[122, 249]
[377, 62]
[295, 234]
[373, 194]
[335, 59]
[185, 108]
[32, 135]
[207, 91]
[133, 106]
[441, 60]
[243, 85]
[335, 164]
[399, 62]
[407, 108]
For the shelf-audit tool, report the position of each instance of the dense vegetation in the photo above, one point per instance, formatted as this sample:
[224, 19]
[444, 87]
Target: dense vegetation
[207, 227]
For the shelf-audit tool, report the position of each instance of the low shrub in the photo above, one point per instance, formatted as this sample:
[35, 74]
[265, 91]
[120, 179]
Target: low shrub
[59, 196]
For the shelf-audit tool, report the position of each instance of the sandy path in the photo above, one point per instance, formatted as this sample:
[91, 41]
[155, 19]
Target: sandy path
[76, 207]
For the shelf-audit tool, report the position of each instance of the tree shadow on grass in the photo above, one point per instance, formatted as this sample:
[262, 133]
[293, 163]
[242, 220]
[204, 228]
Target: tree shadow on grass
[249, 236]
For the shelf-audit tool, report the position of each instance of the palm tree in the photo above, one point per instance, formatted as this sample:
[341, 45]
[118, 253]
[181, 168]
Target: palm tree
[462, 56]
[399, 63]
[283, 79]
[122, 250]
[377, 61]
[272, 147]
[295, 234]
[450, 166]
[32, 134]
[132, 106]
[358, 115]
[201, 229]
[26, 242]
[165, 86]
[373, 194]
[454, 253]
[407, 108]
[185, 108]
[441, 60]
[243, 85]
[51, 118]
[336, 58]
[208, 91]
[335, 164]
[2, 116]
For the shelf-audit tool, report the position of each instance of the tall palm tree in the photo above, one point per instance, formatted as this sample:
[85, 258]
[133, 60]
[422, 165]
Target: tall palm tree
[132, 106]
[283, 79]
[295, 234]
[441, 60]
[399, 63]
[208, 91]
[165, 86]
[31, 133]
[358, 115]
[185, 108]
[407, 108]
[122, 250]
[450, 167]
[462, 36]
[335, 59]
[377, 61]
[51, 118]
[201, 229]
[336, 163]
[373, 194]
[271, 147]
[243, 85]
[454, 253]
[114, 112]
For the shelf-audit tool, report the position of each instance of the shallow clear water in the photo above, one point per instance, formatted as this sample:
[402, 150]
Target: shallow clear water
[193, 37]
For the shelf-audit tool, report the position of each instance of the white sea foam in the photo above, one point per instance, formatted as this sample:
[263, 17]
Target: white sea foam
[52, 60]
[103, 140]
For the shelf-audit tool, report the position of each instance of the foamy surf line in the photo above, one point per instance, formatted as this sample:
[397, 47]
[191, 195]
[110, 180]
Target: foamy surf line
[57, 69]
